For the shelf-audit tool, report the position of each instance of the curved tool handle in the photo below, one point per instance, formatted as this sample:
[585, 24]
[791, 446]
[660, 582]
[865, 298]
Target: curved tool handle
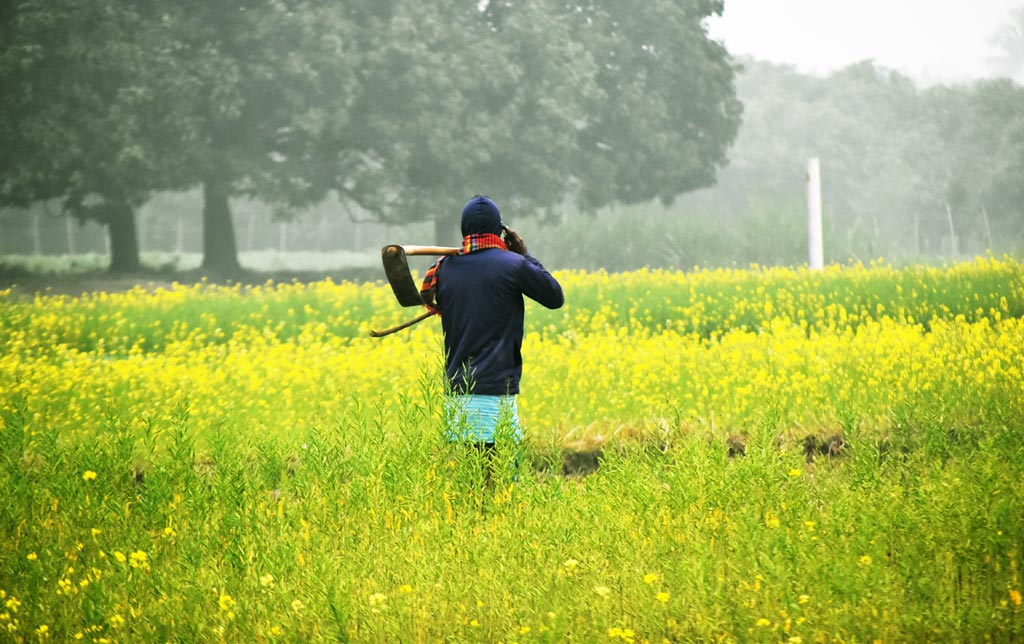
[404, 325]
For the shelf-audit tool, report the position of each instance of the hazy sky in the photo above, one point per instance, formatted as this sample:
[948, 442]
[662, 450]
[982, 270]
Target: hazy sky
[930, 40]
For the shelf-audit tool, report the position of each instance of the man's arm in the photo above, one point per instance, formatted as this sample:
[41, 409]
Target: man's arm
[535, 281]
[538, 284]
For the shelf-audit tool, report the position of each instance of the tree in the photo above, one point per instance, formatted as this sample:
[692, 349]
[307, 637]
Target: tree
[528, 102]
[113, 100]
[450, 103]
[986, 161]
[883, 159]
[258, 85]
[81, 122]
[666, 112]
[898, 161]
[403, 107]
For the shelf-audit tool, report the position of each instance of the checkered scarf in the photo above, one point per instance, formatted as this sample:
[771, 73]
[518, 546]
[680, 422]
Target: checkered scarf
[470, 244]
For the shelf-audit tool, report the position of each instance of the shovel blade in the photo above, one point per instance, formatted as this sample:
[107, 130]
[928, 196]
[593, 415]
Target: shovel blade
[396, 267]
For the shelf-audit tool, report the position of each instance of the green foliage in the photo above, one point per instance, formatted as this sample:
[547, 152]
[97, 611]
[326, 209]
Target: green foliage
[82, 118]
[365, 529]
[987, 138]
[534, 102]
[452, 99]
[403, 108]
[406, 109]
[666, 112]
[893, 157]
[706, 302]
[255, 491]
[79, 118]
[652, 236]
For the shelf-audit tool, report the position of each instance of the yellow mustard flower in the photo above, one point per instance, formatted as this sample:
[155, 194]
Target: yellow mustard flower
[139, 559]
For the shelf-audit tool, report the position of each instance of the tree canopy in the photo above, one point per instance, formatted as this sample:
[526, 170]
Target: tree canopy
[81, 120]
[256, 83]
[402, 107]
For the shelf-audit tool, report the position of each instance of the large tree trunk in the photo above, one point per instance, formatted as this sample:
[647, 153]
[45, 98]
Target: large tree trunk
[124, 240]
[220, 251]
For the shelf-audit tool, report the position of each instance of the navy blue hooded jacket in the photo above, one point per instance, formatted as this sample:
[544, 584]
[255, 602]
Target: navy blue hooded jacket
[480, 296]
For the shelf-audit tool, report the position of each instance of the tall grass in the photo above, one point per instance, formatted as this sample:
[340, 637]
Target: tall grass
[214, 464]
[704, 302]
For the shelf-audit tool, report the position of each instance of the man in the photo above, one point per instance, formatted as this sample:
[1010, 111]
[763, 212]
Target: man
[479, 295]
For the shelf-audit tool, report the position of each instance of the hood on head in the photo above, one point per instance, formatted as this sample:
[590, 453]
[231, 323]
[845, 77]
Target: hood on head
[481, 215]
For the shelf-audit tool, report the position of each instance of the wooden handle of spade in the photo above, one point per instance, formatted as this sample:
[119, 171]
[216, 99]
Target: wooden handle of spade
[404, 325]
[429, 250]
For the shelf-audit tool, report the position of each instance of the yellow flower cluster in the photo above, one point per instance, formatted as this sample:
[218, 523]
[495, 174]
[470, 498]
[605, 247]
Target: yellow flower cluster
[611, 382]
[635, 353]
[103, 386]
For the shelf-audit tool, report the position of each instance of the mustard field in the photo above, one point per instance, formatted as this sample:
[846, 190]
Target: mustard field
[770, 455]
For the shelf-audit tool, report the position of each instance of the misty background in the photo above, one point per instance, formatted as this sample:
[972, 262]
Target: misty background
[300, 136]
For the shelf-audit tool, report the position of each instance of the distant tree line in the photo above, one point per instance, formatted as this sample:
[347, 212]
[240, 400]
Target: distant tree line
[403, 108]
[397, 112]
[908, 174]
[916, 170]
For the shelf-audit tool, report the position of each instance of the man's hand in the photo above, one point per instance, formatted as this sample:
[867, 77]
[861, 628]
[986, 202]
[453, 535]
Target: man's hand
[514, 242]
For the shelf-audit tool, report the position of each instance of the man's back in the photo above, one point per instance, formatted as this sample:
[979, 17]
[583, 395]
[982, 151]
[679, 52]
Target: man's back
[480, 296]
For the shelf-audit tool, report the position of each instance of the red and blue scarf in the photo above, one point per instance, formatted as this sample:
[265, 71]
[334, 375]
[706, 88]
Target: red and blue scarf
[470, 244]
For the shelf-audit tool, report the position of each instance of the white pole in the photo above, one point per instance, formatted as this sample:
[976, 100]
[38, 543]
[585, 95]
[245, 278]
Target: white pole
[179, 240]
[952, 232]
[37, 239]
[814, 234]
[988, 229]
[250, 230]
[917, 234]
[69, 227]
